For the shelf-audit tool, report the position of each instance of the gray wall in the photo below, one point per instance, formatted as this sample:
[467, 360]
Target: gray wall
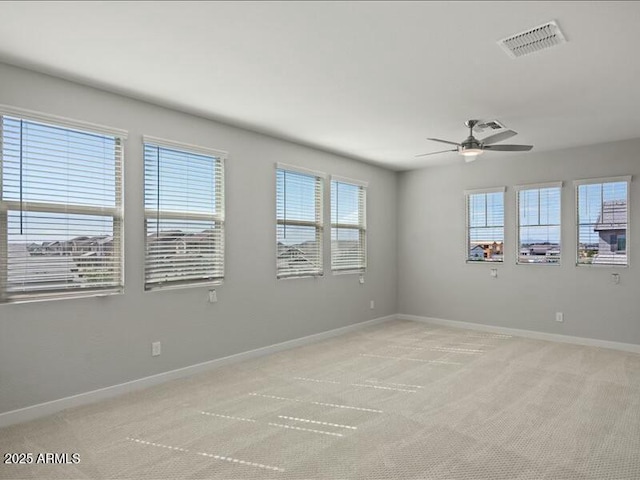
[434, 280]
[53, 349]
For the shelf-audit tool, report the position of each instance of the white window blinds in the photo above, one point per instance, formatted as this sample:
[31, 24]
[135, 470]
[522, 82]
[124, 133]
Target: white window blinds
[348, 225]
[485, 225]
[60, 210]
[539, 224]
[299, 222]
[184, 214]
[603, 212]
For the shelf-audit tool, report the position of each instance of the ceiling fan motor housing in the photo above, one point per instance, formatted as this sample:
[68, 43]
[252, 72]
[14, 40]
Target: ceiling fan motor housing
[471, 142]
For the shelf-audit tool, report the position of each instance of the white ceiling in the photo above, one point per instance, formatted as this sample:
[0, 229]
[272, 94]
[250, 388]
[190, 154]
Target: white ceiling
[370, 80]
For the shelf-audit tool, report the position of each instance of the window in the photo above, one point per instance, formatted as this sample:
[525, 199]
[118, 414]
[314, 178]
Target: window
[485, 225]
[539, 223]
[60, 207]
[184, 214]
[348, 225]
[603, 209]
[299, 222]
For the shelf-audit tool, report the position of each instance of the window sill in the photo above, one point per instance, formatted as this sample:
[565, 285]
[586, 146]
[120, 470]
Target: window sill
[161, 287]
[292, 277]
[21, 299]
[484, 262]
[602, 265]
[360, 271]
[557, 264]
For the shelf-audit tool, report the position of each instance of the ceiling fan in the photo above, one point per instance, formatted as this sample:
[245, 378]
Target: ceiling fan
[471, 147]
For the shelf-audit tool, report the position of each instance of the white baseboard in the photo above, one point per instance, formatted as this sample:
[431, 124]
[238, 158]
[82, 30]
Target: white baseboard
[42, 409]
[554, 337]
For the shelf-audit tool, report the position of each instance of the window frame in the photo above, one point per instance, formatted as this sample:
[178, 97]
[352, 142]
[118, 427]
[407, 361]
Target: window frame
[594, 181]
[537, 186]
[361, 227]
[187, 148]
[467, 197]
[320, 178]
[116, 212]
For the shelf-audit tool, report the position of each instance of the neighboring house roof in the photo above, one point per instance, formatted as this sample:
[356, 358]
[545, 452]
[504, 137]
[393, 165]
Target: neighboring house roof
[292, 255]
[166, 233]
[613, 216]
[306, 249]
[104, 240]
[80, 239]
[206, 238]
[290, 252]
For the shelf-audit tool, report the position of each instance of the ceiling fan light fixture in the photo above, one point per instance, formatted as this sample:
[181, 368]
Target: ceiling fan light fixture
[471, 154]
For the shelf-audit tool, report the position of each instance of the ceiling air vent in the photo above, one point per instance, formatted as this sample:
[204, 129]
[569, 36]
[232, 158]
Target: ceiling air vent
[494, 126]
[534, 40]
[485, 128]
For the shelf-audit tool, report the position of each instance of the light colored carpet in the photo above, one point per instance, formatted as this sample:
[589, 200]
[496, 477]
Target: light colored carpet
[401, 400]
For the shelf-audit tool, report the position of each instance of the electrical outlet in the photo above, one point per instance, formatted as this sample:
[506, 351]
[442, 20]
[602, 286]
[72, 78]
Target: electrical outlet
[615, 278]
[559, 317]
[361, 279]
[494, 272]
[213, 296]
[372, 304]
[156, 349]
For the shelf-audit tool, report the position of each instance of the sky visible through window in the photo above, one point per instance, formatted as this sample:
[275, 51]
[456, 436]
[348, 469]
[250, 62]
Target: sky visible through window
[55, 165]
[486, 217]
[345, 210]
[591, 198]
[180, 182]
[296, 202]
[539, 215]
[44, 163]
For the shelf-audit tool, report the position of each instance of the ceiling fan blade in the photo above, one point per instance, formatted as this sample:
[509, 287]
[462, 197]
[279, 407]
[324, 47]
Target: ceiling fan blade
[508, 148]
[434, 153]
[498, 137]
[443, 141]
